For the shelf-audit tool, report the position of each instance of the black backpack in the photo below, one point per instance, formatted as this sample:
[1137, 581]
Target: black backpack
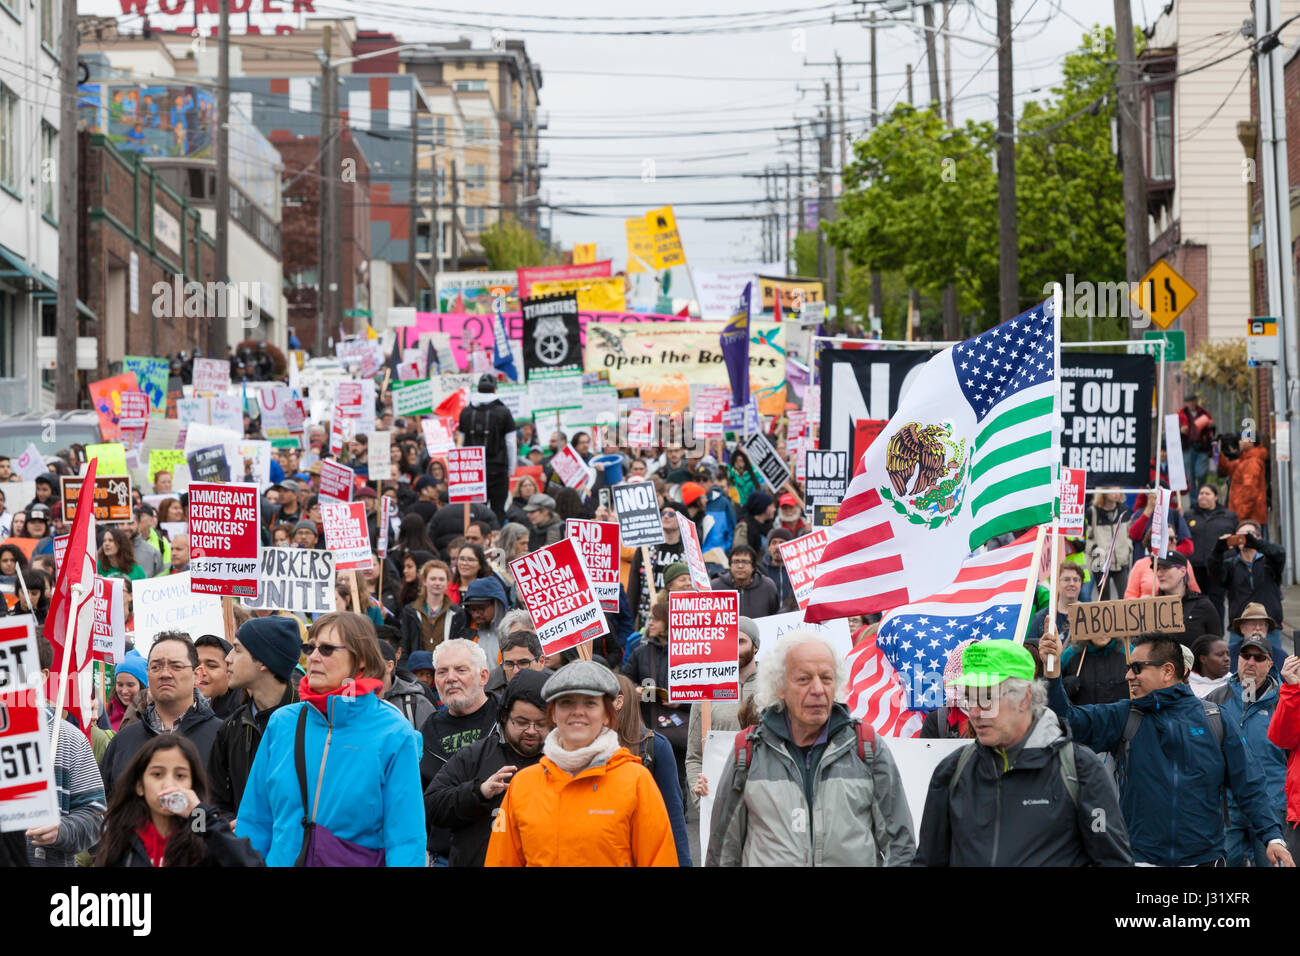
[481, 432]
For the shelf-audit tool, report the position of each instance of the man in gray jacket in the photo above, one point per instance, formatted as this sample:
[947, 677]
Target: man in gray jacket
[722, 714]
[809, 786]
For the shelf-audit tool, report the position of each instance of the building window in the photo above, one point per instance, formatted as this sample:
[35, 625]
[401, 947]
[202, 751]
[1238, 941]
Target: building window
[439, 175]
[49, 169]
[1162, 138]
[475, 216]
[440, 131]
[476, 131]
[475, 176]
[8, 138]
[470, 86]
[50, 23]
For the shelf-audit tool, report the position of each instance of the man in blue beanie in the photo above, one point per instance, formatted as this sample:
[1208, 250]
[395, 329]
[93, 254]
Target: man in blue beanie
[261, 664]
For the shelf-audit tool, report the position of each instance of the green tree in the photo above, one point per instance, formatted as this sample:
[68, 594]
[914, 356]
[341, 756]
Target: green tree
[508, 245]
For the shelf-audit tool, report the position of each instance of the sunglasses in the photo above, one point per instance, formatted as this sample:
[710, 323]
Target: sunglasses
[326, 650]
[1136, 666]
[1257, 658]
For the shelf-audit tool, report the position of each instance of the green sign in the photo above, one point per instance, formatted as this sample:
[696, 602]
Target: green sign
[356, 313]
[1175, 351]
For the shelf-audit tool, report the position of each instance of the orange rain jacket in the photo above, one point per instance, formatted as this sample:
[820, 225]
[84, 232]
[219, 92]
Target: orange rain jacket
[1247, 495]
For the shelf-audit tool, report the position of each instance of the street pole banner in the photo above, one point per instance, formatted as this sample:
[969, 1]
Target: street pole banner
[347, 534]
[692, 552]
[801, 556]
[335, 481]
[168, 604]
[828, 476]
[597, 542]
[28, 796]
[703, 646]
[554, 586]
[300, 580]
[1073, 500]
[225, 535]
[570, 467]
[467, 474]
[108, 634]
[763, 457]
[637, 509]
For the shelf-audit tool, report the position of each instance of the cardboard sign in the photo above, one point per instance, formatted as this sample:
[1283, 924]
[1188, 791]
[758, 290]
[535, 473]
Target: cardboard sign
[764, 459]
[108, 637]
[437, 436]
[347, 535]
[28, 797]
[379, 453]
[209, 464]
[1073, 500]
[637, 509]
[112, 498]
[569, 467]
[801, 556]
[1160, 615]
[553, 585]
[413, 398]
[211, 376]
[224, 537]
[30, 465]
[300, 580]
[335, 481]
[641, 428]
[387, 508]
[168, 604]
[703, 646]
[597, 542]
[827, 476]
[467, 474]
[692, 553]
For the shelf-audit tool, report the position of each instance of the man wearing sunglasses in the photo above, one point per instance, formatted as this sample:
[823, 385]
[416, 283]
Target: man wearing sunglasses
[1175, 754]
[1248, 700]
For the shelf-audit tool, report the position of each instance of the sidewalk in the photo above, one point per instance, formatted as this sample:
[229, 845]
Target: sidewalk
[1291, 613]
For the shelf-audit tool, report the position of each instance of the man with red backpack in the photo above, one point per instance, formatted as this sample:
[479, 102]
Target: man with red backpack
[808, 785]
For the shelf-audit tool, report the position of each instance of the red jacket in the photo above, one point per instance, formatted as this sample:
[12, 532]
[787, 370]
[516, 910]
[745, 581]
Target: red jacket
[1284, 731]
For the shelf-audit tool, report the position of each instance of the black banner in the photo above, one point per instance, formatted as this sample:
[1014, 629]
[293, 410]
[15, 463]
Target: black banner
[637, 508]
[826, 476]
[209, 464]
[763, 457]
[1106, 407]
[552, 336]
[862, 383]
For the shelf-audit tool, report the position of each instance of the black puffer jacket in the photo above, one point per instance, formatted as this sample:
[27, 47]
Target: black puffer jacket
[1013, 808]
[199, 724]
[1200, 617]
[235, 747]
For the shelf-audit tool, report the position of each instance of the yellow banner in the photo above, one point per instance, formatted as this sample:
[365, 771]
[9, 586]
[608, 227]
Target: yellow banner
[584, 252]
[667, 244]
[598, 294]
[664, 359]
[640, 248]
[112, 458]
[795, 292]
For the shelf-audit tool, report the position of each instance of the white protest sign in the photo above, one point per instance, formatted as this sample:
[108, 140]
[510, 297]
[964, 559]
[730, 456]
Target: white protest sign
[30, 465]
[437, 437]
[570, 467]
[692, 553]
[774, 625]
[300, 580]
[379, 450]
[167, 604]
[211, 376]
[28, 797]
[1160, 523]
[1174, 456]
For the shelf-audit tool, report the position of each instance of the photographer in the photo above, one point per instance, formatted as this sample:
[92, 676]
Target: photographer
[1248, 470]
[1251, 572]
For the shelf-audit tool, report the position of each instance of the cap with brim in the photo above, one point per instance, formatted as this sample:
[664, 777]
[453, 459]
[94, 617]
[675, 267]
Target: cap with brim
[989, 663]
[1254, 611]
[1173, 559]
[1260, 643]
[581, 677]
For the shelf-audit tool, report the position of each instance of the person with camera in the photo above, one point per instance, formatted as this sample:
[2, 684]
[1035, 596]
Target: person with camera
[1248, 474]
[1251, 571]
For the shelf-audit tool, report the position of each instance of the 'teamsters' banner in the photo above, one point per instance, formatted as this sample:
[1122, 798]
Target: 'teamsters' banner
[703, 646]
[224, 538]
[1106, 407]
[553, 585]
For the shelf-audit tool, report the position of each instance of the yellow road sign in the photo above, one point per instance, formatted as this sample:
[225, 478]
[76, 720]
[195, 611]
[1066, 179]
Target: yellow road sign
[1163, 294]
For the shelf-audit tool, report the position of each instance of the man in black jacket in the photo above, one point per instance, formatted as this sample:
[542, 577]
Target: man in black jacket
[486, 421]
[758, 596]
[1209, 521]
[1251, 571]
[1199, 616]
[261, 664]
[466, 794]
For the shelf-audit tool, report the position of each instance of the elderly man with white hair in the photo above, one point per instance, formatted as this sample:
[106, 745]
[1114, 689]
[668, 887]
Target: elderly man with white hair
[1023, 794]
[460, 673]
[809, 785]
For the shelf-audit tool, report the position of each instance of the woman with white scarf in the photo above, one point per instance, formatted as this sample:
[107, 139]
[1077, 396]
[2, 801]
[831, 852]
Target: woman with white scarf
[589, 801]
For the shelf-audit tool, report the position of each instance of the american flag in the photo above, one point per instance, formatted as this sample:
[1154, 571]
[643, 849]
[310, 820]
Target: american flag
[875, 693]
[975, 457]
[983, 603]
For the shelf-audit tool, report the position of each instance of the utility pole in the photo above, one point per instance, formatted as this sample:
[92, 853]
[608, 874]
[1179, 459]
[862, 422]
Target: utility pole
[66, 392]
[951, 321]
[947, 61]
[412, 262]
[218, 333]
[911, 99]
[802, 216]
[789, 246]
[826, 202]
[877, 291]
[455, 219]
[1008, 253]
[1137, 253]
[913, 298]
[931, 55]
[843, 264]
[326, 259]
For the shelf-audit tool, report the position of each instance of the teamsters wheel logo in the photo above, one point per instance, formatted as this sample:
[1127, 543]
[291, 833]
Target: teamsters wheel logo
[552, 341]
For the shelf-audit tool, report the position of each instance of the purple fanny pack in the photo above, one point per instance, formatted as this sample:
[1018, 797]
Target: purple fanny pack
[320, 847]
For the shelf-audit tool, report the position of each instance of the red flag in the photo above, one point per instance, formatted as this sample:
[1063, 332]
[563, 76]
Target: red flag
[78, 568]
[452, 406]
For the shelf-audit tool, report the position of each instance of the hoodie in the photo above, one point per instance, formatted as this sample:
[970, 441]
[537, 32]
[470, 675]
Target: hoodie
[489, 639]
[487, 421]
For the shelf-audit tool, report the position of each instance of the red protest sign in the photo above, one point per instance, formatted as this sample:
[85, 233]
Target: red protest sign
[597, 542]
[703, 646]
[347, 535]
[437, 437]
[710, 410]
[865, 431]
[692, 553]
[640, 427]
[28, 797]
[108, 631]
[467, 474]
[224, 539]
[335, 481]
[60, 548]
[1073, 500]
[133, 422]
[553, 585]
[801, 557]
[570, 467]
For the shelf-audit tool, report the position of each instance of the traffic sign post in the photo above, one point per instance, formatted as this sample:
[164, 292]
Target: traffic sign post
[1175, 343]
[1163, 294]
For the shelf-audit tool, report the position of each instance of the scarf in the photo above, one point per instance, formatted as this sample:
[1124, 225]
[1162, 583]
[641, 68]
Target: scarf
[573, 762]
[358, 687]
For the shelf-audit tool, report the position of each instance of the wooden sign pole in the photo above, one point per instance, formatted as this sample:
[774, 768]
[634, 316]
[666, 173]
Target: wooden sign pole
[228, 613]
[356, 593]
[649, 573]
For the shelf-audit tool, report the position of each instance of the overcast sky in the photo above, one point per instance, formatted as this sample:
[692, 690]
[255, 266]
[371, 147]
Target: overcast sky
[618, 103]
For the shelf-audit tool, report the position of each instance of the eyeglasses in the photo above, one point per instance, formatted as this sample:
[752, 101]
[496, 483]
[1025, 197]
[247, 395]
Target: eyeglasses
[520, 724]
[1257, 658]
[326, 650]
[1136, 666]
[175, 667]
[517, 665]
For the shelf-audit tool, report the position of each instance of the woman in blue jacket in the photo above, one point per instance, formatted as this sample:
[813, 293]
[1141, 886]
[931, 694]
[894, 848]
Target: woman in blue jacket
[657, 756]
[361, 760]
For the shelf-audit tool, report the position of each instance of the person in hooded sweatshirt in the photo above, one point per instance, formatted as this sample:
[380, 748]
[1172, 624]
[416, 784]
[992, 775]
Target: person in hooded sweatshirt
[130, 678]
[486, 604]
[401, 689]
[176, 706]
[486, 421]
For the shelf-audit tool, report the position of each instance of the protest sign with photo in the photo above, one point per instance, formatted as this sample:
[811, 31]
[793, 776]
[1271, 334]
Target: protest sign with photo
[570, 468]
[335, 481]
[108, 634]
[168, 604]
[467, 474]
[827, 480]
[764, 459]
[553, 585]
[801, 556]
[637, 509]
[1073, 501]
[347, 534]
[224, 539]
[112, 498]
[597, 542]
[1126, 619]
[300, 580]
[703, 646]
[209, 464]
[692, 553]
[28, 796]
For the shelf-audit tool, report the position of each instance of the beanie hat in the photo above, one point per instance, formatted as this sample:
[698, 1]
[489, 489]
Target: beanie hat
[674, 571]
[526, 686]
[308, 525]
[273, 641]
[692, 492]
[749, 629]
[757, 502]
[133, 663]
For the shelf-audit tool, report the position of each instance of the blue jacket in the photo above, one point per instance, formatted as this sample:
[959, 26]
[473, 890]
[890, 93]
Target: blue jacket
[1252, 724]
[1174, 773]
[372, 793]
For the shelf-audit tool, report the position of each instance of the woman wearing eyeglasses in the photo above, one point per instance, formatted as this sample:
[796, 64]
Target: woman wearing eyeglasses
[357, 779]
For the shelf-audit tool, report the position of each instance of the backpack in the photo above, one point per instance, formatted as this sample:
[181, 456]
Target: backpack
[480, 431]
[744, 749]
[647, 748]
[1213, 717]
[1065, 761]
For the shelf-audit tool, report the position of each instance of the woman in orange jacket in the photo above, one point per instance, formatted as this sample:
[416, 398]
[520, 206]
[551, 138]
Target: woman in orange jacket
[1247, 492]
[588, 802]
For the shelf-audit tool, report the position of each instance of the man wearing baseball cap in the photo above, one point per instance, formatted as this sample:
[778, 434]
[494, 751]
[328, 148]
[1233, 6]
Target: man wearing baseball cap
[1023, 794]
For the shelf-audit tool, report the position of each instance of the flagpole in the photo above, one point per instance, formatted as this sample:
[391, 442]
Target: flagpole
[69, 649]
[1027, 600]
[1160, 434]
[1050, 624]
